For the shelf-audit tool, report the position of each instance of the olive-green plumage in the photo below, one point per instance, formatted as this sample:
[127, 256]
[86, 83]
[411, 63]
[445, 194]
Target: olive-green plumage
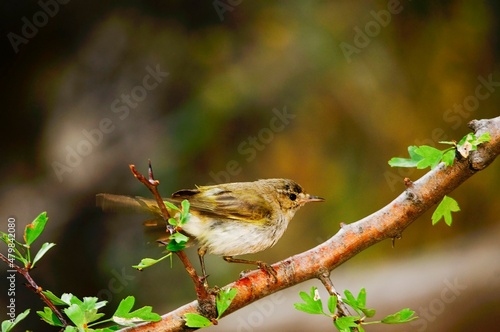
[232, 218]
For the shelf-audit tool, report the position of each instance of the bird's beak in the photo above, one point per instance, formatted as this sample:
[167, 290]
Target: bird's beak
[309, 198]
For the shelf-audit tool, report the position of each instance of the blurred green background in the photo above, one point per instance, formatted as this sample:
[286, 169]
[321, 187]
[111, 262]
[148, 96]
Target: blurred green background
[323, 92]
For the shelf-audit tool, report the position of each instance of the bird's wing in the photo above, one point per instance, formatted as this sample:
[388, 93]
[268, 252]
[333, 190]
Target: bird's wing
[122, 203]
[226, 204]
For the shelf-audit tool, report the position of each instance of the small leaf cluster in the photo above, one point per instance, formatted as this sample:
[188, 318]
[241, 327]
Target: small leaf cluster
[84, 313]
[427, 156]
[468, 143]
[313, 305]
[177, 240]
[22, 251]
[7, 325]
[223, 301]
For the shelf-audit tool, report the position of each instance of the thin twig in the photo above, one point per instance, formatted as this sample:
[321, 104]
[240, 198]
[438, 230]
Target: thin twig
[152, 185]
[324, 277]
[35, 288]
[205, 299]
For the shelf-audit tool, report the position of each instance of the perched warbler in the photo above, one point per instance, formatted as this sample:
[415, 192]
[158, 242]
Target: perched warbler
[229, 219]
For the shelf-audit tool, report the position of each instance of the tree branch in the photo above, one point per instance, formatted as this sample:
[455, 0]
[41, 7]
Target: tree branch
[25, 272]
[388, 222]
[205, 300]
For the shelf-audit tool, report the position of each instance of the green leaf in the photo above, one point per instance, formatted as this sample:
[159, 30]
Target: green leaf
[76, 315]
[173, 246]
[401, 162]
[33, 230]
[306, 308]
[125, 306]
[359, 303]
[448, 142]
[431, 157]
[346, 323]
[486, 137]
[361, 300]
[45, 247]
[469, 137]
[10, 241]
[449, 157]
[81, 313]
[171, 206]
[368, 312]
[470, 142]
[179, 237]
[177, 242]
[69, 299]
[312, 303]
[185, 207]
[224, 299]
[405, 162]
[49, 317]
[444, 209]
[403, 316]
[196, 321]
[90, 303]
[362, 304]
[125, 317]
[5, 238]
[147, 262]
[332, 304]
[7, 325]
[53, 298]
[350, 299]
[184, 218]
[172, 221]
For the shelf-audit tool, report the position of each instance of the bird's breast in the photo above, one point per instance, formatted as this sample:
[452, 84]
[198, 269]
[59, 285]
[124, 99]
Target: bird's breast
[235, 237]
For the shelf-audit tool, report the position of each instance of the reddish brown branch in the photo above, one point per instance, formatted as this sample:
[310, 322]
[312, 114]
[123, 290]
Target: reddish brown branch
[152, 185]
[35, 288]
[389, 222]
[205, 299]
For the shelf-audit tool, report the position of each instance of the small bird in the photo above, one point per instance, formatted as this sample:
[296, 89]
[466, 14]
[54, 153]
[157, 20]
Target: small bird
[229, 219]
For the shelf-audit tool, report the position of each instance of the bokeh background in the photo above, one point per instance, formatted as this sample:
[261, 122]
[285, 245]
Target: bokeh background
[323, 92]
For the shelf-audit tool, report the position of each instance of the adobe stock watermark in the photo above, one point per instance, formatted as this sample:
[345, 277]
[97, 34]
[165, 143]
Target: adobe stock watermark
[121, 108]
[115, 285]
[363, 37]
[11, 273]
[29, 29]
[264, 309]
[253, 144]
[222, 6]
[455, 116]
[436, 306]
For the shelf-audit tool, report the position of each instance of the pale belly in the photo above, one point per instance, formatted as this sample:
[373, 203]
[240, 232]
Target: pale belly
[232, 238]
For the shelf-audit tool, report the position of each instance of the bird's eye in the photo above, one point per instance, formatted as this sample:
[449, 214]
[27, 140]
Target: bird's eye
[292, 197]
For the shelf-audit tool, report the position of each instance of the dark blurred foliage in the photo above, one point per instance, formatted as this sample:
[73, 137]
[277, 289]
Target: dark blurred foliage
[222, 106]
